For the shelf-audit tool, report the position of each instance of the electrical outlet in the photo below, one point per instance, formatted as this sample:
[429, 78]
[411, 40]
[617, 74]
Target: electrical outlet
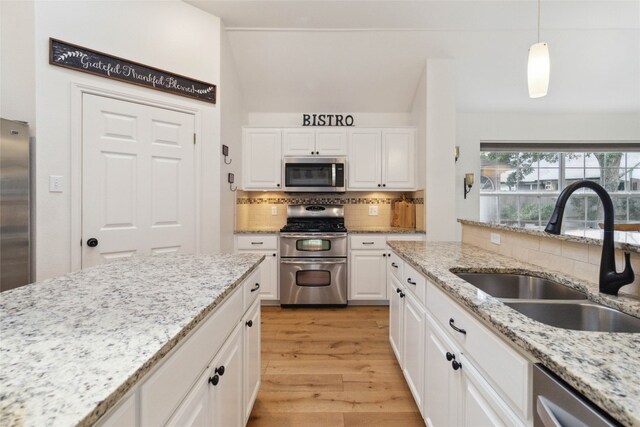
[373, 210]
[495, 238]
[55, 184]
[274, 210]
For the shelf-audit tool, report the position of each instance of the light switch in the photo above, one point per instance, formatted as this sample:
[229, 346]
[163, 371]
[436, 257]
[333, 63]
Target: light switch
[495, 238]
[55, 184]
[373, 210]
[274, 210]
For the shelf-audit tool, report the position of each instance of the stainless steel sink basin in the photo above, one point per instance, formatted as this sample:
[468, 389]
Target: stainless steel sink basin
[517, 286]
[581, 316]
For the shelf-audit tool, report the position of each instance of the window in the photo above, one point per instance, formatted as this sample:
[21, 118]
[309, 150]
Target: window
[520, 188]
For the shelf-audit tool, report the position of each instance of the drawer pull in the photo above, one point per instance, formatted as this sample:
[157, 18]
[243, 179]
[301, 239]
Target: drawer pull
[220, 370]
[401, 294]
[456, 365]
[256, 287]
[455, 328]
[368, 243]
[450, 356]
[398, 290]
[394, 265]
[384, 255]
[214, 380]
[257, 243]
[249, 323]
[409, 281]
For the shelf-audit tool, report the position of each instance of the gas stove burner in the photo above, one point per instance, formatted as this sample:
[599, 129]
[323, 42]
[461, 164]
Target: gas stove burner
[315, 219]
[315, 227]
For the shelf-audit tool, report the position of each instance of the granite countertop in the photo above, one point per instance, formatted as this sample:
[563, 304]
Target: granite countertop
[71, 346]
[350, 230]
[258, 231]
[603, 366]
[628, 241]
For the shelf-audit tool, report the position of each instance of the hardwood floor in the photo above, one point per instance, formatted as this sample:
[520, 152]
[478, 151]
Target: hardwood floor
[330, 367]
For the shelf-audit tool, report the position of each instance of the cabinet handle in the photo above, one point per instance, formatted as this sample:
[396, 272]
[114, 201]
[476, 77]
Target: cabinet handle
[317, 152]
[401, 294]
[313, 152]
[456, 365]
[450, 356]
[368, 243]
[462, 331]
[379, 185]
[384, 185]
[273, 254]
[277, 185]
[384, 255]
[256, 287]
[393, 264]
[411, 282]
[257, 243]
[398, 290]
[249, 323]
[220, 370]
[214, 380]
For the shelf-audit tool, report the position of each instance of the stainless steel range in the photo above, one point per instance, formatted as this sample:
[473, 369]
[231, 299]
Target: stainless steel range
[313, 256]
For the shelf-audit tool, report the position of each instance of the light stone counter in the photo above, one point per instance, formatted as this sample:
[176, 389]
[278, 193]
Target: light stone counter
[70, 347]
[603, 366]
[384, 230]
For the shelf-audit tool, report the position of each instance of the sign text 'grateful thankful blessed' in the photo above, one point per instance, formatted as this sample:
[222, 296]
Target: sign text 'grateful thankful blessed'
[100, 64]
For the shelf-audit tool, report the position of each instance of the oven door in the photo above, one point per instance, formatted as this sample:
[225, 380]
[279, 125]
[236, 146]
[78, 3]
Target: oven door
[313, 245]
[313, 281]
[314, 174]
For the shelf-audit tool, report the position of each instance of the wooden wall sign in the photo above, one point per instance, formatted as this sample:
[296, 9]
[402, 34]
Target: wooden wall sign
[78, 58]
[327, 120]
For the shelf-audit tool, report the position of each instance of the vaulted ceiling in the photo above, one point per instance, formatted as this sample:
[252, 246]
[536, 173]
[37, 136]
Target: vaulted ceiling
[367, 56]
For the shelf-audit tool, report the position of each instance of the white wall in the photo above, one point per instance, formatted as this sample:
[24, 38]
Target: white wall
[419, 119]
[17, 68]
[476, 127]
[232, 117]
[170, 35]
[441, 187]
[360, 119]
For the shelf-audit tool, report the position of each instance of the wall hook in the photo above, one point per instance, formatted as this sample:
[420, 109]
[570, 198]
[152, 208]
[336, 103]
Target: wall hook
[230, 180]
[225, 153]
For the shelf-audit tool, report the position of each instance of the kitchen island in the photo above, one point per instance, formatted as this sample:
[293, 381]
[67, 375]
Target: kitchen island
[602, 366]
[71, 347]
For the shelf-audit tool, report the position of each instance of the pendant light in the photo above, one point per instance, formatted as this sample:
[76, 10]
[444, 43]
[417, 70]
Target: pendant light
[538, 66]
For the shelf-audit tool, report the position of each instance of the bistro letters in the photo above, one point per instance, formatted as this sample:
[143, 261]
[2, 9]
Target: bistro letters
[326, 120]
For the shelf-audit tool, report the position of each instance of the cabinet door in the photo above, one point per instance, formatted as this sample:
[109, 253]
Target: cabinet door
[269, 284]
[368, 275]
[365, 164]
[261, 159]
[226, 397]
[195, 410]
[395, 317]
[477, 412]
[298, 142]
[441, 382]
[123, 415]
[251, 357]
[413, 347]
[331, 142]
[398, 159]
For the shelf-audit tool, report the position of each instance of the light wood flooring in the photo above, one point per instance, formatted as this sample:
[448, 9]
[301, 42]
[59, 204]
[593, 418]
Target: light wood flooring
[331, 367]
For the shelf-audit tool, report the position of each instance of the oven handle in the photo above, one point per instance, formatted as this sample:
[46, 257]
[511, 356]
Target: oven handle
[314, 236]
[333, 174]
[309, 261]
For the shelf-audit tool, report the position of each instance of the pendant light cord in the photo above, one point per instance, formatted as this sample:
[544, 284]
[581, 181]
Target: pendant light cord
[538, 21]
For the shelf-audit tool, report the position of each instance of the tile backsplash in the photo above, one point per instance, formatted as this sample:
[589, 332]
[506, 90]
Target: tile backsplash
[255, 209]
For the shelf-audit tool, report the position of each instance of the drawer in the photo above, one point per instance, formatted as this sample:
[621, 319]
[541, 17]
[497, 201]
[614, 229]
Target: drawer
[368, 242]
[166, 386]
[251, 287]
[396, 265]
[415, 282]
[256, 242]
[505, 369]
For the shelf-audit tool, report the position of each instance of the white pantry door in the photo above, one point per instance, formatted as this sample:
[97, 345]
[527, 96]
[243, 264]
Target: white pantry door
[138, 180]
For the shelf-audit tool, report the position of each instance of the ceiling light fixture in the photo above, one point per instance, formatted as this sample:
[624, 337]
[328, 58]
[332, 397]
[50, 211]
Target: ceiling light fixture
[538, 66]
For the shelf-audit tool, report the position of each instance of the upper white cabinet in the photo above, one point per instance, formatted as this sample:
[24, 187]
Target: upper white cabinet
[382, 159]
[314, 142]
[261, 159]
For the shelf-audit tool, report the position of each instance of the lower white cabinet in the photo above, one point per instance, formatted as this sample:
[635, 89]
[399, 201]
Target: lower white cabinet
[368, 275]
[196, 408]
[396, 310]
[225, 378]
[252, 364]
[267, 245]
[413, 346]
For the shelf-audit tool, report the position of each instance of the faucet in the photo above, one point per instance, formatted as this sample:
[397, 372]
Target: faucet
[610, 280]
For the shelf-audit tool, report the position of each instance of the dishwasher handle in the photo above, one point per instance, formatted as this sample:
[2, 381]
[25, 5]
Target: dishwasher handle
[545, 412]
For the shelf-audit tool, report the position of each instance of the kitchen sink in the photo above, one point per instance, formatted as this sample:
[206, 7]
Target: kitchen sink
[520, 286]
[581, 316]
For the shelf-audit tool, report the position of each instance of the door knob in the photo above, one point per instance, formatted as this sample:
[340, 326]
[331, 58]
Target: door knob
[92, 242]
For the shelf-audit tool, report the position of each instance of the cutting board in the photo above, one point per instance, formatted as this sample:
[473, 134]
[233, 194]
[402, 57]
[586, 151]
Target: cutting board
[404, 214]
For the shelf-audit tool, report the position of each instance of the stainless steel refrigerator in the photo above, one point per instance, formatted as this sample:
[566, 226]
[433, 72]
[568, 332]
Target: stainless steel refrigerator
[15, 200]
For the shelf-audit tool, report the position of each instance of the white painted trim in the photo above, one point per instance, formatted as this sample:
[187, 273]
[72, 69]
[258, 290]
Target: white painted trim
[75, 173]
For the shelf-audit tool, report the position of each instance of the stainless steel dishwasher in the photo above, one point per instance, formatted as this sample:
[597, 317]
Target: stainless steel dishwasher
[556, 404]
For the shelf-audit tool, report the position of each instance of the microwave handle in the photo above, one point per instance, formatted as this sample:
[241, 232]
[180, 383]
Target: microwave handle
[333, 174]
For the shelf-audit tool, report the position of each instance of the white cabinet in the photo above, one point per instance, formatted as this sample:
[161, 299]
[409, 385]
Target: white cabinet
[413, 332]
[252, 364]
[261, 159]
[124, 414]
[396, 314]
[382, 159]
[266, 245]
[195, 411]
[368, 275]
[226, 391]
[310, 141]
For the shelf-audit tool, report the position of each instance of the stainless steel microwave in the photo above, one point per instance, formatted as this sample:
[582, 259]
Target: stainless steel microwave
[315, 174]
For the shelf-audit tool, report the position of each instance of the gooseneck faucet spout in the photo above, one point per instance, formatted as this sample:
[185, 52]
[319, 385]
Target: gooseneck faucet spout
[610, 280]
